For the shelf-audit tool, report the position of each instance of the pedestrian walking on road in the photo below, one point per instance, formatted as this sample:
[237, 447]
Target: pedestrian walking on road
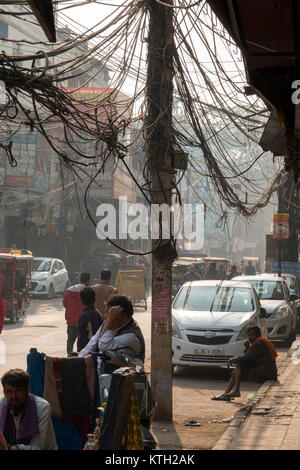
[258, 364]
[25, 419]
[90, 320]
[103, 290]
[74, 308]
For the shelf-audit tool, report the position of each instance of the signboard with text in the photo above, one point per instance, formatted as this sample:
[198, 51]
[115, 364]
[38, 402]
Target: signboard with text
[280, 225]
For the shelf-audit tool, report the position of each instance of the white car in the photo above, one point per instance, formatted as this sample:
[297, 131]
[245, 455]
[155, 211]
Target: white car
[48, 277]
[210, 321]
[276, 298]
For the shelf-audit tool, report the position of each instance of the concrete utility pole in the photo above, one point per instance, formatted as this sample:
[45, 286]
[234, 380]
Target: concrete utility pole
[287, 249]
[279, 241]
[159, 146]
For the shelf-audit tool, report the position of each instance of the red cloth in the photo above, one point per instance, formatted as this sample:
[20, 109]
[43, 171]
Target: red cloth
[73, 305]
[1, 313]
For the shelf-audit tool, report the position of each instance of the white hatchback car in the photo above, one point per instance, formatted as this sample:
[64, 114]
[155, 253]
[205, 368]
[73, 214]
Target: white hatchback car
[210, 321]
[48, 277]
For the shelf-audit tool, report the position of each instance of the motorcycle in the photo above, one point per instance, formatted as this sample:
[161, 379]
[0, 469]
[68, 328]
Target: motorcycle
[122, 359]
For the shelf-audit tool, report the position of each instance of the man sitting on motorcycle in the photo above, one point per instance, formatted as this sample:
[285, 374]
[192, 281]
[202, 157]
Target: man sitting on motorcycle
[118, 331]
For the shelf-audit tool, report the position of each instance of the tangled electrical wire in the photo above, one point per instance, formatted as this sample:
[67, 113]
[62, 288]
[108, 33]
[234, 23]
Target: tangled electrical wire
[217, 123]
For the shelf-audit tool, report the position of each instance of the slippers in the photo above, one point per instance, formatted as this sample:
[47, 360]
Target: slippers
[222, 398]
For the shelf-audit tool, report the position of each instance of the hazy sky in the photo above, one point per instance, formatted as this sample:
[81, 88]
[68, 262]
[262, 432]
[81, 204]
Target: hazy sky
[89, 15]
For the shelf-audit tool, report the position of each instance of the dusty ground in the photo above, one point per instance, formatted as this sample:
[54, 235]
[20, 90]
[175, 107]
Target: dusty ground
[192, 392]
[44, 328]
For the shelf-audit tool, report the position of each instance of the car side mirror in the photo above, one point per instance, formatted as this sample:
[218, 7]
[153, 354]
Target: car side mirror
[263, 313]
[293, 297]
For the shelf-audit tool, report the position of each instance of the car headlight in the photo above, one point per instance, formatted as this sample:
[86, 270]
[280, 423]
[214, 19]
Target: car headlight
[243, 333]
[175, 330]
[281, 313]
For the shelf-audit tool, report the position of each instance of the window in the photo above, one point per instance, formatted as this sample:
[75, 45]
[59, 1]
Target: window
[292, 284]
[3, 29]
[40, 265]
[60, 265]
[54, 267]
[17, 51]
[268, 290]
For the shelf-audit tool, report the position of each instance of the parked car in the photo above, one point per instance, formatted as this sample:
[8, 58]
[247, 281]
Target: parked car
[210, 321]
[48, 277]
[293, 284]
[275, 297]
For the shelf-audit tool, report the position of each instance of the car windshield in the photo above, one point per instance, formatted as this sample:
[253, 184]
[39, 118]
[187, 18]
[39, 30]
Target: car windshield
[268, 290]
[41, 265]
[207, 298]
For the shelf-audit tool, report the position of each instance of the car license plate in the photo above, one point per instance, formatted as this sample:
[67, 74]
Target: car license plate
[209, 352]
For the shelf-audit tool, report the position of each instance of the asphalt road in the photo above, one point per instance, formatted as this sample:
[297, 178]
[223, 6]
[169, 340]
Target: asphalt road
[44, 328]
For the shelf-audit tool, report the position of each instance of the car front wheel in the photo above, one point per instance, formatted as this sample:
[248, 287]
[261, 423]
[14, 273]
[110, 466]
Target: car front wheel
[51, 292]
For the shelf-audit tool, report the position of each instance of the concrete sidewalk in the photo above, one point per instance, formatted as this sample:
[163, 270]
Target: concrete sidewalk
[271, 421]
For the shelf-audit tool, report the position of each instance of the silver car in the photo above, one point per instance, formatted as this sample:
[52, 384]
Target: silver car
[293, 284]
[276, 299]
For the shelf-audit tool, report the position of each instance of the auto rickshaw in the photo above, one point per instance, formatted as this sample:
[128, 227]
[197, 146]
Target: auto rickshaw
[221, 268]
[180, 267]
[15, 266]
[255, 262]
[132, 283]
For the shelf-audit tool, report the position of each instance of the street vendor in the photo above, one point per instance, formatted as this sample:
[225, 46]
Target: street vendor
[258, 364]
[118, 331]
[25, 419]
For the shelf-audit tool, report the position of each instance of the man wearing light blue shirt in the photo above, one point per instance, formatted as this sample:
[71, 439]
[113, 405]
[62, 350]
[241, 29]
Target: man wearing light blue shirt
[118, 331]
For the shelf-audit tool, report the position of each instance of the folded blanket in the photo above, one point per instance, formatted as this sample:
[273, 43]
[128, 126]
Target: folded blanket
[75, 393]
[53, 387]
[69, 385]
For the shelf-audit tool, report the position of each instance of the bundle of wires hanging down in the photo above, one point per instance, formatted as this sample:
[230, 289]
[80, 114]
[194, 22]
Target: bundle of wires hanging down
[215, 122]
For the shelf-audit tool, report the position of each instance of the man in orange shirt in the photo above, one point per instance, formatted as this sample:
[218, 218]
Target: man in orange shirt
[257, 364]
